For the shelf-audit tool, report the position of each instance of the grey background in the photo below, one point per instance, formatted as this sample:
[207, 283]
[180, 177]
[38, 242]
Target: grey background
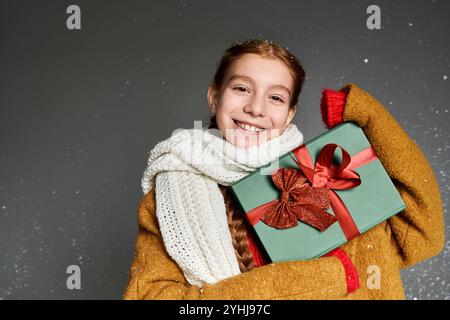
[81, 109]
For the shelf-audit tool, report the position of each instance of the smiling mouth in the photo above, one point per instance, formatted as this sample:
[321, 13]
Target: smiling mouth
[247, 127]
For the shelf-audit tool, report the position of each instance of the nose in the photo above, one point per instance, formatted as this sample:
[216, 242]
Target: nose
[256, 107]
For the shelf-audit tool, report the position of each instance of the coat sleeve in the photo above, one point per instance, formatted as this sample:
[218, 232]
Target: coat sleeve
[417, 233]
[155, 275]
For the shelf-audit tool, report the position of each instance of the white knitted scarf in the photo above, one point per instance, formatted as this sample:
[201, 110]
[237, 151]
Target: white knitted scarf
[186, 170]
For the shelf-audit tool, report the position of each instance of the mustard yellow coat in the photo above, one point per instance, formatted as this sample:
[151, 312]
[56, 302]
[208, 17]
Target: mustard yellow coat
[409, 237]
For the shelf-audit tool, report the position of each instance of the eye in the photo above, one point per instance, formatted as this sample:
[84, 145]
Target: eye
[241, 89]
[278, 99]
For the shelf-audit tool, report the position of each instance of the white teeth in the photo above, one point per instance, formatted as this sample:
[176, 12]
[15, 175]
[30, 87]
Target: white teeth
[248, 127]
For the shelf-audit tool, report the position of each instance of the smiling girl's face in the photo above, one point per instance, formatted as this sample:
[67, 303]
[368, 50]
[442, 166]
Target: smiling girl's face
[253, 105]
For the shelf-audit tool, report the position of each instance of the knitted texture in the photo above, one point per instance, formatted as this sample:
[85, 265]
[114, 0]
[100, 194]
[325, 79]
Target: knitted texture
[351, 274]
[186, 170]
[332, 107]
[411, 236]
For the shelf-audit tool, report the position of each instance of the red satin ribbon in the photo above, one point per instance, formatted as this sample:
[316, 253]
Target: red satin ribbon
[331, 176]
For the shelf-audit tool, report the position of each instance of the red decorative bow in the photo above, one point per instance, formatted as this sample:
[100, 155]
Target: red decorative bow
[299, 201]
[324, 173]
[307, 193]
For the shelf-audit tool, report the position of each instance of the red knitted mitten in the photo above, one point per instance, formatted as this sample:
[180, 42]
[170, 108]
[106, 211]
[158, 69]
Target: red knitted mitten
[257, 254]
[351, 274]
[332, 107]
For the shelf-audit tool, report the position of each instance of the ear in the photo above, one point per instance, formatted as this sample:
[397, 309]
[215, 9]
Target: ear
[291, 114]
[212, 98]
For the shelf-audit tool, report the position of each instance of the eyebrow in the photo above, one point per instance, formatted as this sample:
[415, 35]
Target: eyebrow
[248, 79]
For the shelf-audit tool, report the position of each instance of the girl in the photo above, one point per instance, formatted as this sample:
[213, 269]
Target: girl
[193, 243]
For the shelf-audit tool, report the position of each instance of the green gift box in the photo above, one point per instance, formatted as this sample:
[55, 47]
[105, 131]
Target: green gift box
[358, 188]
